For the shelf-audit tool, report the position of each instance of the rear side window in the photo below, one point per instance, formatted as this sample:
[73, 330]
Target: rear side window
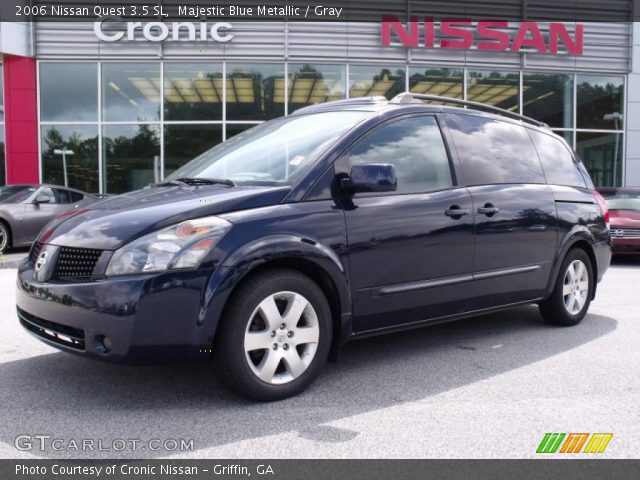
[416, 148]
[557, 161]
[492, 151]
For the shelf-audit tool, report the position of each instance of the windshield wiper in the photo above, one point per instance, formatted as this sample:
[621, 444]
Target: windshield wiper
[194, 181]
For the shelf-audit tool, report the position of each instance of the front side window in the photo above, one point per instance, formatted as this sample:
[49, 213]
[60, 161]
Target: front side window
[48, 193]
[274, 152]
[15, 193]
[416, 148]
[492, 151]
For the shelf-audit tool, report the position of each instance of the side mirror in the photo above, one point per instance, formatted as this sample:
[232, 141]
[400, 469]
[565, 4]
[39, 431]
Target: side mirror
[42, 199]
[372, 177]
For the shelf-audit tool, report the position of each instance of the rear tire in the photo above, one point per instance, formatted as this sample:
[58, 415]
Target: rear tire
[5, 237]
[274, 336]
[571, 296]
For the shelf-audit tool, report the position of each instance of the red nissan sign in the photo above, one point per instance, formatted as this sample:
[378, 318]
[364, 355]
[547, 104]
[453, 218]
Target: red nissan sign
[463, 34]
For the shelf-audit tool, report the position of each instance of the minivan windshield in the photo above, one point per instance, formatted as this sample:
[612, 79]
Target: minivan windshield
[275, 152]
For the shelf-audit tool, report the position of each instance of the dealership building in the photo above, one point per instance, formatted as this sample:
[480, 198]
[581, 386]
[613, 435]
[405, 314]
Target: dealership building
[129, 104]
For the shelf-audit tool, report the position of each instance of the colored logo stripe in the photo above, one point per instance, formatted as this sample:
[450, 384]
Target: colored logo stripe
[598, 442]
[574, 442]
[550, 443]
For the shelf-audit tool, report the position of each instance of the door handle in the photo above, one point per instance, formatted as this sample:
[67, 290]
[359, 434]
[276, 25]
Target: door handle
[455, 211]
[489, 209]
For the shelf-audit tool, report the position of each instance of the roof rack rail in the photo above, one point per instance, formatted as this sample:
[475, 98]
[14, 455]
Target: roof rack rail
[408, 97]
[347, 101]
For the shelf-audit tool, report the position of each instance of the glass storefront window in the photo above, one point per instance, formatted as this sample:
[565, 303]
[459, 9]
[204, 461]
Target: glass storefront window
[370, 81]
[69, 92]
[234, 129]
[185, 142]
[192, 91]
[255, 92]
[600, 102]
[315, 83]
[446, 82]
[81, 165]
[602, 155]
[548, 98]
[130, 91]
[131, 156]
[500, 89]
[196, 93]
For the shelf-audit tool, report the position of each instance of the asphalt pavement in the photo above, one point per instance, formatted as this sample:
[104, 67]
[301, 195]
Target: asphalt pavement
[486, 387]
[11, 258]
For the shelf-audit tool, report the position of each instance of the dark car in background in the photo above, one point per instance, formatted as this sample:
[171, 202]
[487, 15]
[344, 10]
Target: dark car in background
[26, 209]
[353, 218]
[624, 212]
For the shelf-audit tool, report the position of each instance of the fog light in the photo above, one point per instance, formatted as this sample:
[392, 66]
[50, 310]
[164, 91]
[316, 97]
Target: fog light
[103, 344]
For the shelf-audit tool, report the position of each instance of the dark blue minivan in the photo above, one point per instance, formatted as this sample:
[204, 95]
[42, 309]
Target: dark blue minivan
[352, 218]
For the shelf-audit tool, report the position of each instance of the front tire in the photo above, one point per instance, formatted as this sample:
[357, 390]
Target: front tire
[571, 296]
[274, 337]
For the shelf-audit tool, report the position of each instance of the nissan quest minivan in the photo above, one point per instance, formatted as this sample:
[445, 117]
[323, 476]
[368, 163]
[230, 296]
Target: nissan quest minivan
[268, 252]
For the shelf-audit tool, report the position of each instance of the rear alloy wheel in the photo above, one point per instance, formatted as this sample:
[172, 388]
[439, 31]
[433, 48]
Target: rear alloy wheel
[4, 237]
[571, 297]
[274, 337]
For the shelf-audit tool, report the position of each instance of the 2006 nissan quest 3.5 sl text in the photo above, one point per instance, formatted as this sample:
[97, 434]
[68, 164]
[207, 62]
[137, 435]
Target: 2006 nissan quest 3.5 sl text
[268, 252]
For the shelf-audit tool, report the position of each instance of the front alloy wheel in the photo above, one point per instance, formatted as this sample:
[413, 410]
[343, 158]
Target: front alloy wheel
[282, 337]
[274, 336]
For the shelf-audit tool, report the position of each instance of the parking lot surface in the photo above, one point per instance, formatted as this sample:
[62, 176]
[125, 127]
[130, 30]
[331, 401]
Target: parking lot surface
[490, 386]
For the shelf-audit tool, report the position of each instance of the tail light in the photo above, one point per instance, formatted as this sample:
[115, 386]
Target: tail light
[603, 206]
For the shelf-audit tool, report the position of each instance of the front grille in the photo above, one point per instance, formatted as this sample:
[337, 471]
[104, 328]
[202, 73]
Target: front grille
[36, 248]
[625, 232]
[53, 332]
[76, 262]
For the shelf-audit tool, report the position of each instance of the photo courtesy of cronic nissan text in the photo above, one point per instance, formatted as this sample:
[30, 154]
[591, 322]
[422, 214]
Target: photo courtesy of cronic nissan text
[298, 239]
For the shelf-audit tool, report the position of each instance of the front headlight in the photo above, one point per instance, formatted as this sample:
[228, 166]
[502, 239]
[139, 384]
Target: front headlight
[180, 246]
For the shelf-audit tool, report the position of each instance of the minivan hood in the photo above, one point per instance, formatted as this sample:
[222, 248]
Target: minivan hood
[110, 224]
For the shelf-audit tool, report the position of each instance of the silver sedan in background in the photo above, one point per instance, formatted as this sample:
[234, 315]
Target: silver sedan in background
[26, 209]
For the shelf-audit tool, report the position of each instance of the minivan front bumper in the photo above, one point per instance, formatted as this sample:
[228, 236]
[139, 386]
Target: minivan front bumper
[169, 316]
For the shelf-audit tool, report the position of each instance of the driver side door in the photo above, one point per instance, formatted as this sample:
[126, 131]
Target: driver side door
[410, 255]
